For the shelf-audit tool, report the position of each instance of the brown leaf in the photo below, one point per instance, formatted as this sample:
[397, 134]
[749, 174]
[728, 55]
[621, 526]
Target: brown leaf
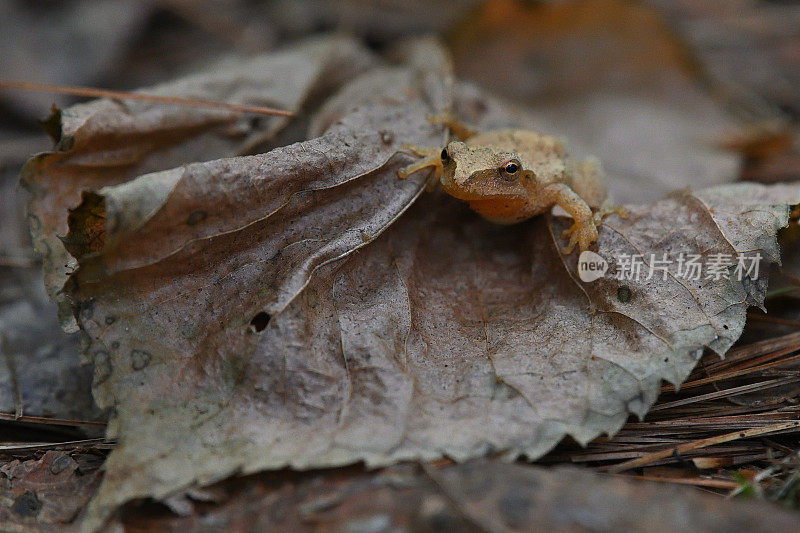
[108, 142]
[291, 309]
[47, 491]
[477, 496]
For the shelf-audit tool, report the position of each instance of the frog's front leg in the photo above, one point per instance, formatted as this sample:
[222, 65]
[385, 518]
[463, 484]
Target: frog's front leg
[431, 158]
[586, 179]
[583, 231]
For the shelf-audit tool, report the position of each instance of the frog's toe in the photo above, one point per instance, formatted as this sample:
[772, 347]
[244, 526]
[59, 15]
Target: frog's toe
[582, 234]
[430, 161]
[572, 235]
[406, 171]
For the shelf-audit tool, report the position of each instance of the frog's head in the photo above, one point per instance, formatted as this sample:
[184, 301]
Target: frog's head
[474, 173]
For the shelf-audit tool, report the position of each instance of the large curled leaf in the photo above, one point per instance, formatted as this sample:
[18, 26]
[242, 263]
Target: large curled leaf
[295, 309]
[446, 336]
[107, 142]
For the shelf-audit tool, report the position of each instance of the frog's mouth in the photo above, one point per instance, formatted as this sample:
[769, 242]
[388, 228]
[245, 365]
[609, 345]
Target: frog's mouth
[480, 190]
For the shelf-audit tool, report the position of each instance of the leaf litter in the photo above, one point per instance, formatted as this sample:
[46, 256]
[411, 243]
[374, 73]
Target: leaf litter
[475, 496]
[306, 308]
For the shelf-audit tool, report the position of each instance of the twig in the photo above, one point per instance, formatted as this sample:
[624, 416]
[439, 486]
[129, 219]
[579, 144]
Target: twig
[773, 320]
[698, 482]
[702, 443]
[50, 421]
[53, 445]
[92, 92]
[734, 391]
[740, 372]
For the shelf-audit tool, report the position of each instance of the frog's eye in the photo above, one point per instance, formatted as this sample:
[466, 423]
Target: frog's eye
[445, 155]
[510, 168]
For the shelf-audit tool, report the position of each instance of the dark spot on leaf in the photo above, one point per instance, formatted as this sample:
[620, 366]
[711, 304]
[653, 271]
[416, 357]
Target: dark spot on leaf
[260, 321]
[724, 326]
[115, 345]
[624, 294]
[195, 217]
[140, 359]
[86, 309]
[110, 320]
[26, 504]
[741, 435]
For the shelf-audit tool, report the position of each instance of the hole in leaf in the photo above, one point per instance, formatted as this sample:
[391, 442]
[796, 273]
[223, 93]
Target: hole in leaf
[260, 321]
[624, 294]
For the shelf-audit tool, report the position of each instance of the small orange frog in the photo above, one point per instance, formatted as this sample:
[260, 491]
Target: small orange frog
[510, 175]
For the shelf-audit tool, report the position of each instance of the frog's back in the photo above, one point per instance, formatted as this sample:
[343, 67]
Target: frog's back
[524, 142]
[544, 154]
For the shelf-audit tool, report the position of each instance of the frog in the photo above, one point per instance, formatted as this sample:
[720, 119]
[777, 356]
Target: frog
[510, 175]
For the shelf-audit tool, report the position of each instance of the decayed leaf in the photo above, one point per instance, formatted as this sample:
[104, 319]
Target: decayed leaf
[106, 142]
[49, 491]
[291, 309]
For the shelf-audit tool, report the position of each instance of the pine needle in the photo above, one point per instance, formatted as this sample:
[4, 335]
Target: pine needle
[91, 92]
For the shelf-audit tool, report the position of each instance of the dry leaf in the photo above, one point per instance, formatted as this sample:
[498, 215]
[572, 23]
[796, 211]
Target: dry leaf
[106, 142]
[478, 496]
[49, 491]
[291, 309]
